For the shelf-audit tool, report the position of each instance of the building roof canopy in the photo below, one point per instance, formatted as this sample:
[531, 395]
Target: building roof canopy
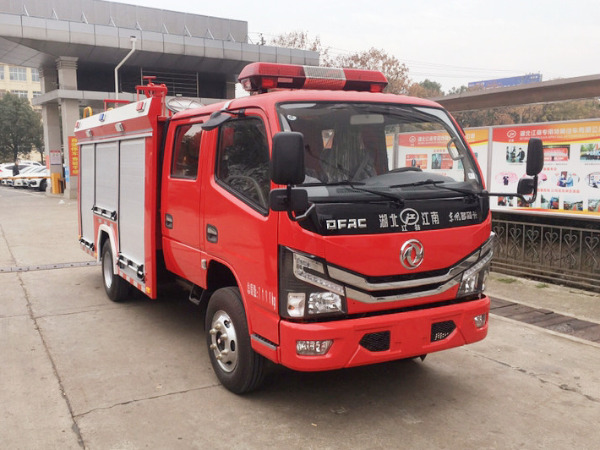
[35, 33]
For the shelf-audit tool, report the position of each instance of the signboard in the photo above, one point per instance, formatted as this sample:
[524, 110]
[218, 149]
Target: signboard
[55, 158]
[73, 156]
[507, 82]
[427, 150]
[479, 139]
[570, 181]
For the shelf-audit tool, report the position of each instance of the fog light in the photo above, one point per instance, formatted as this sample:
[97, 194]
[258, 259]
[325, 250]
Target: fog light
[480, 320]
[313, 347]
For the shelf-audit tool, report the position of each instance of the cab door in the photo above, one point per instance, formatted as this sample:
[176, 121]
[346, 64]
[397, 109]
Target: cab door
[181, 221]
[240, 230]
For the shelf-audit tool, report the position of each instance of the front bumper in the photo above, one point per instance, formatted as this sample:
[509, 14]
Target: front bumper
[409, 334]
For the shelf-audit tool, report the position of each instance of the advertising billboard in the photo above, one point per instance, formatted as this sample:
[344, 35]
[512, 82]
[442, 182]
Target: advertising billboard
[507, 82]
[570, 181]
[428, 151]
[478, 139]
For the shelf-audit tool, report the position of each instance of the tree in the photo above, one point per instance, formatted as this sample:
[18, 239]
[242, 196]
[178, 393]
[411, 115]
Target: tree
[426, 89]
[546, 112]
[301, 41]
[38, 137]
[458, 90]
[372, 59]
[377, 59]
[20, 127]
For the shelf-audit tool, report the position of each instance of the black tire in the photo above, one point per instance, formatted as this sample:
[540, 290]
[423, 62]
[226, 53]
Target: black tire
[43, 185]
[116, 287]
[239, 368]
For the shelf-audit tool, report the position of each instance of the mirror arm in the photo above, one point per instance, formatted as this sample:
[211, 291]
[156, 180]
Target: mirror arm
[301, 217]
[535, 188]
[291, 216]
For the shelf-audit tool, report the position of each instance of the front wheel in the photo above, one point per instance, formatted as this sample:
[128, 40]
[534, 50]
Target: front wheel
[239, 368]
[116, 287]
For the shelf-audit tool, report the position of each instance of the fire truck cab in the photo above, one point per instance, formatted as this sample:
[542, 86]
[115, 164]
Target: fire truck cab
[321, 222]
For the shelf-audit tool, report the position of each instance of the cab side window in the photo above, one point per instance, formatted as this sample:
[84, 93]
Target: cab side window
[186, 150]
[243, 160]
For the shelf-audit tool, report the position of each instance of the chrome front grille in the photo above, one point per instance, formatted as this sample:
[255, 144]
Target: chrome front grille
[370, 290]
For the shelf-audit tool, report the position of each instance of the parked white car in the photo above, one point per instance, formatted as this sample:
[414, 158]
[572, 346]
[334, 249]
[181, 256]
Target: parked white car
[6, 169]
[10, 181]
[41, 182]
[23, 179]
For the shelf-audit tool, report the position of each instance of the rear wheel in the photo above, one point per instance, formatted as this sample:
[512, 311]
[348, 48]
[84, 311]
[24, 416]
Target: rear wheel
[116, 287]
[239, 368]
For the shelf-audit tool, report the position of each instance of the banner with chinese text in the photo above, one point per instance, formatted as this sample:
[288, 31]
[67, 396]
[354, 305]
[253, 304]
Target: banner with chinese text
[73, 156]
[570, 181]
[478, 139]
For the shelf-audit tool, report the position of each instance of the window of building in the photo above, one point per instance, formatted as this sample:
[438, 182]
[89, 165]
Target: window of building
[186, 151]
[20, 94]
[35, 75]
[2, 72]
[17, 73]
[37, 93]
[243, 160]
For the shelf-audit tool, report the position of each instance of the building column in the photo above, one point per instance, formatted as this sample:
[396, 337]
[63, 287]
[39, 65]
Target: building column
[69, 111]
[230, 89]
[51, 122]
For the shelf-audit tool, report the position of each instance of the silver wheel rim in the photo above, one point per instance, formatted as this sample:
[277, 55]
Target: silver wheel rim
[223, 341]
[108, 271]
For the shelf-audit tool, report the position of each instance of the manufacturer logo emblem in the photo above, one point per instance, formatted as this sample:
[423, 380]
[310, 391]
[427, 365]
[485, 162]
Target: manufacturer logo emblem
[411, 254]
[409, 216]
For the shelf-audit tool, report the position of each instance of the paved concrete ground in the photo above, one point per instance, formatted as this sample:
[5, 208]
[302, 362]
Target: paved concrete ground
[79, 371]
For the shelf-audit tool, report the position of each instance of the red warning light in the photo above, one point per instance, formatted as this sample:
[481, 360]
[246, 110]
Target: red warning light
[261, 77]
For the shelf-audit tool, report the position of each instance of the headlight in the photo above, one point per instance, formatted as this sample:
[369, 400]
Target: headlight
[305, 288]
[473, 279]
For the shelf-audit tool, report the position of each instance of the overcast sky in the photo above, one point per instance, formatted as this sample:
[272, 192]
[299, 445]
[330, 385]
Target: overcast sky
[448, 41]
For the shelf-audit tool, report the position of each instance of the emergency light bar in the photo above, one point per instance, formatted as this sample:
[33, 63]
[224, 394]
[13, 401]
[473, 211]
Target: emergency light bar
[260, 77]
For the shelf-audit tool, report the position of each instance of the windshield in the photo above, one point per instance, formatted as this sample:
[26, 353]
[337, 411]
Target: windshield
[380, 145]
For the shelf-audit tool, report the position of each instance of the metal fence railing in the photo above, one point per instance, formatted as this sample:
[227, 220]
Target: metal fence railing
[557, 253]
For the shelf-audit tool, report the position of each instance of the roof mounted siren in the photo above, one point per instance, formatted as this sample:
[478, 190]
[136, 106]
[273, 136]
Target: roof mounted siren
[259, 78]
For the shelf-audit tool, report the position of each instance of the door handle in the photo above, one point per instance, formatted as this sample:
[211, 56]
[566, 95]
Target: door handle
[169, 221]
[212, 234]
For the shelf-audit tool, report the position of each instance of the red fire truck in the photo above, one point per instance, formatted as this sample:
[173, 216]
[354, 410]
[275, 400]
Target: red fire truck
[306, 219]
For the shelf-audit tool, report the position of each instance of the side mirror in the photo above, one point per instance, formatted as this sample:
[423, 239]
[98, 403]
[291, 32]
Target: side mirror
[526, 186]
[287, 162]
[535, 156]
[295, 200]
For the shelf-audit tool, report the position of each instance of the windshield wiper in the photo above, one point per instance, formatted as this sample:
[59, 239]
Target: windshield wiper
[459, 190]
[439, 184]
[359, 186]
[335, 183]
[415, 183]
